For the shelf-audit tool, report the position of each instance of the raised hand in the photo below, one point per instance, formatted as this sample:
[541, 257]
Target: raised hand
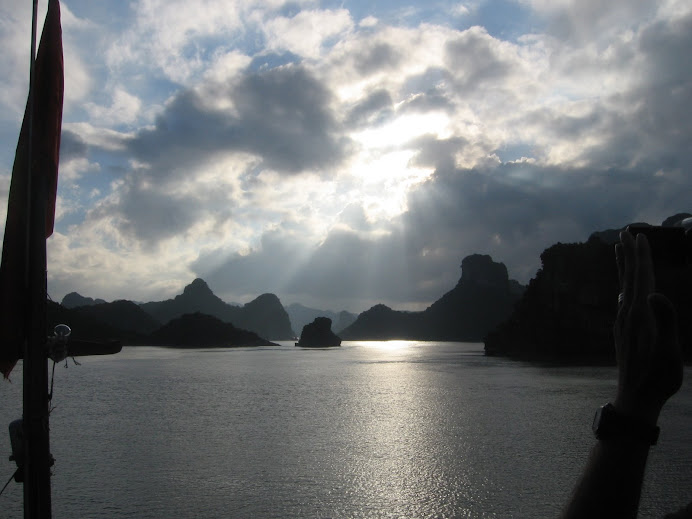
[648, 350]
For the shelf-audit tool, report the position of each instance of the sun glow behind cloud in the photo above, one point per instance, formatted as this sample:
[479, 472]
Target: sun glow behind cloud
[385, 181]
[403, 129]
[385, 166]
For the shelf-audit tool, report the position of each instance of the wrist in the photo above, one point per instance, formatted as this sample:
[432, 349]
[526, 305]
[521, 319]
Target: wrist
[611, 425]
[643, 413]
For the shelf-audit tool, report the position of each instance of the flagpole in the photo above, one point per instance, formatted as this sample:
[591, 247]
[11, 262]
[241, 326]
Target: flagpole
[38, 460]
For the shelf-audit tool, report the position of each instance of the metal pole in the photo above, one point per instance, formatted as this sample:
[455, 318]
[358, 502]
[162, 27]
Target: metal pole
[37, 462]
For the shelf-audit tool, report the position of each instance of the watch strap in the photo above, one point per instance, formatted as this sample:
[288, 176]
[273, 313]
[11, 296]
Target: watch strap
[610, 425]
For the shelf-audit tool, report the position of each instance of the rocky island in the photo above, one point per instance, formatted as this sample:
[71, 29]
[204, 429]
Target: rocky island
[204, 331]
[318, 334]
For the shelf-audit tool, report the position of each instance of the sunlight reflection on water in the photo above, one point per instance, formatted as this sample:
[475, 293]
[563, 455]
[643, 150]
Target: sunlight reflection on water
[376, 429]
[392, 345]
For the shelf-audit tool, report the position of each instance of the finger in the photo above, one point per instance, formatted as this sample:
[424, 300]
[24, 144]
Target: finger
[620, 262]
[668, 341]
[628, 261]
[644, 270]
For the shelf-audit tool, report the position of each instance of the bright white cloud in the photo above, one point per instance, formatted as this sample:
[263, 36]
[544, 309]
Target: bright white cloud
[73, 169]
[98, 137]
[368, 21]
[306, 33]
[167, 35]
[124, 109]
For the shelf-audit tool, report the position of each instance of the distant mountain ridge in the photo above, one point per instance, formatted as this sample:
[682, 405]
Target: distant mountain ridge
[158, 322]
[264, 315]
[73, 300]
[481, 300]
[196, 297]
[301, 315]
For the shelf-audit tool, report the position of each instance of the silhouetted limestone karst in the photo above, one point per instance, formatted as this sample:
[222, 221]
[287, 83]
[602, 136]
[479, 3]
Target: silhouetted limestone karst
[569, 307]
[318, 334]
[516, 288]
[200, 330]
[675, 220]
[73, 300]
[196, 297]
[88, 327]
[381, 323]
[481, 270]
[265, 315]
[482, 298]
[612, 236]
[121, 314]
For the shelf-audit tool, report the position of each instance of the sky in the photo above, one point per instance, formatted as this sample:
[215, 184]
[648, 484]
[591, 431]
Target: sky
[345, 153]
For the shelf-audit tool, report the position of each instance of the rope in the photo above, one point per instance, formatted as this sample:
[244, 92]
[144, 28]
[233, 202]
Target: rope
[50, 395]
[8, 481]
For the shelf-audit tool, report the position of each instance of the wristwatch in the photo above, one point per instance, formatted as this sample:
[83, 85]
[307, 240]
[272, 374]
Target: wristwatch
[608, 424]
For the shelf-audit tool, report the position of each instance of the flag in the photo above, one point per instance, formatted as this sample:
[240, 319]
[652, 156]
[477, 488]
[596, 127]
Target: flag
[48, 87]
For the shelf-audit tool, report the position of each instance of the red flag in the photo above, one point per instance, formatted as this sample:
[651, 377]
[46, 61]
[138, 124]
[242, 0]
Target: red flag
[45, 152]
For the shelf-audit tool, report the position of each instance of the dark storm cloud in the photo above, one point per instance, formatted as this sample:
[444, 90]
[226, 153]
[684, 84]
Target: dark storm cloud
[283, 117]
[72, 146]
[437, 153]
[667, 47]
[377, 57]
[514, 211]
[375, 108]
[663, 100]
[589, 20]
[151, 216]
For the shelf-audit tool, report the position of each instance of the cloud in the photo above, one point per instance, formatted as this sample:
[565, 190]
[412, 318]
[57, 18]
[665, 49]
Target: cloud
[375, 59]
[124, 109]
[306, 33]
[590, 21]
[273, 146]
[91, 258]
[14, 60]
[479, 58]
[281, 116]
[165, 35]
[368, 21]
[377, 106]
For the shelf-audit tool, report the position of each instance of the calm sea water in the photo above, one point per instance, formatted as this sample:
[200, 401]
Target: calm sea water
[372, 429]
